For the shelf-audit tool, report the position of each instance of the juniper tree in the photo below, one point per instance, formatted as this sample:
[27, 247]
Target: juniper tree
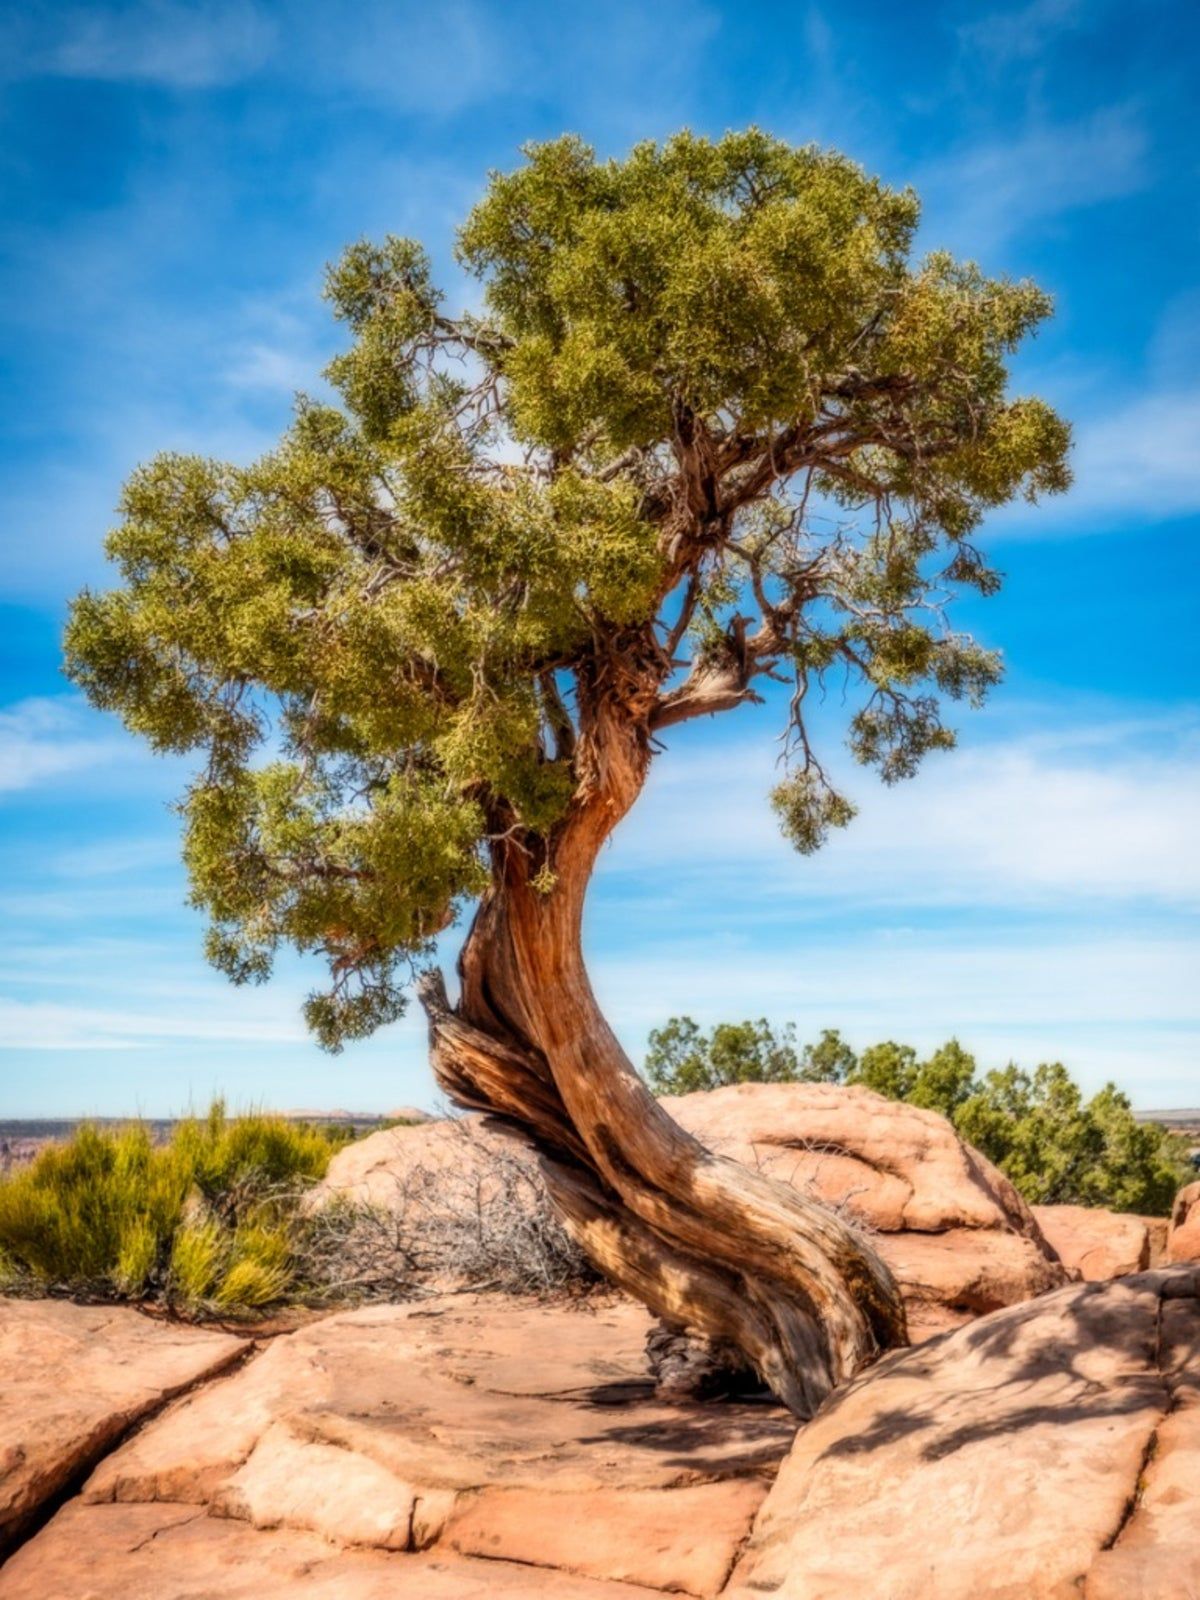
[712, 427]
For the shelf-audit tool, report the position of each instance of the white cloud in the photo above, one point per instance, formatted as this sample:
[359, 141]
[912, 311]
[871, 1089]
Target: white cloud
[923, 981]
[1136, 463]
[1071, 820]
[1035, 896]
[273, 368]
[978, 198]
[168, 42]
[46, 1025]
[430, 60]
[1032, 896]
[1022, 33]
[1142, 458]
[116, 857]
[1114, 1007]
[42, 739]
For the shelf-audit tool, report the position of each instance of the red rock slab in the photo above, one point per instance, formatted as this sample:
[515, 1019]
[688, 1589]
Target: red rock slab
[684, 1540]
[1040, 1454]
[75, 1378]
[171, 1552]
[1154, 1556]
[496, 1427]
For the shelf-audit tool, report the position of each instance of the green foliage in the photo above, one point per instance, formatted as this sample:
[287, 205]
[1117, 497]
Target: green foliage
[683, 1058]
[1059, 1148]
[807, 808]
[1056, 1147]
[206, 1219]
[197, 1256]
[707, 385]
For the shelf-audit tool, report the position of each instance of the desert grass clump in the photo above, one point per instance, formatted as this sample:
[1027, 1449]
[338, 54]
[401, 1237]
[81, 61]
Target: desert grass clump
[207, 1221]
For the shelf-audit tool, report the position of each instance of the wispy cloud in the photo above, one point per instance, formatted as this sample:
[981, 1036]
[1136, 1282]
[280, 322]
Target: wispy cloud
[1110, 1005]
[434, 61]
[1061, 820]
[42, 739]
[1035, 896]
[44, 1025]
[1142, 458]
[979, 197]
[1135, 462]
[167, 42]
[1022, 32]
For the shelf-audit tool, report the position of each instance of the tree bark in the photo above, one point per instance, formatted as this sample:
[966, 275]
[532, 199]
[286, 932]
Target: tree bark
[704, 1241]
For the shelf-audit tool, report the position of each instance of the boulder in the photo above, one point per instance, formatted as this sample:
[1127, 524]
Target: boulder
[75, 1379]
[1183, 1237]
[1047, 1451]
[958, 1236]
[1099, 1244]
[471, 1428]
[411, 1164]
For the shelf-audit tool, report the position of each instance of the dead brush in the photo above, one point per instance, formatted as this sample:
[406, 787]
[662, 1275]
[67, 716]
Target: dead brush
[459, 1224]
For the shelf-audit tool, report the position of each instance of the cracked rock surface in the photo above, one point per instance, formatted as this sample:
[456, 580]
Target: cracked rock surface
[459, 1442]
[1048, 1451]
[75, 1379]
[469, 1447]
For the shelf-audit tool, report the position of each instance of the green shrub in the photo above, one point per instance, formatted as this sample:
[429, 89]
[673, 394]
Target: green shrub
[1056, 1147]
[207, 1219]
[197, 1257]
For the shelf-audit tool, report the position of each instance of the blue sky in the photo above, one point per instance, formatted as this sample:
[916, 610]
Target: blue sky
[175, 176]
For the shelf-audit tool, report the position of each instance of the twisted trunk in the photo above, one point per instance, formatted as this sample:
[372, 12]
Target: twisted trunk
[704, 1241]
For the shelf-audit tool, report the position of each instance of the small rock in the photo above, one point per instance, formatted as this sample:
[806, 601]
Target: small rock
[1183, 1239]
[1095, 1243]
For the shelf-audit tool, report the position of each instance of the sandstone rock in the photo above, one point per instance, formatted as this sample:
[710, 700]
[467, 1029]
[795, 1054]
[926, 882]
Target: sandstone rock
[171, 1552]
[1048, 1451]
[1095, 1243]
[1155, 1556]
[403, 1164]
[1157, 1230]
[954, 1230]
[477, 1446]
[682, 1541]
[1183, 1239]
[75, 1378]
[409, 1114]
[480, 1426]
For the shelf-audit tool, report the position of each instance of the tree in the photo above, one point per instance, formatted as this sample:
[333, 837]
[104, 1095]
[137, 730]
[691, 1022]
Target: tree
[710, 427]
[682, 1058]
[1057, 1148]
[1062, 1150]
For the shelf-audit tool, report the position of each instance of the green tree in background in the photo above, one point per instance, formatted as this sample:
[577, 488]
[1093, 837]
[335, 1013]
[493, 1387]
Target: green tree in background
[1056, 1147]
[712, 426]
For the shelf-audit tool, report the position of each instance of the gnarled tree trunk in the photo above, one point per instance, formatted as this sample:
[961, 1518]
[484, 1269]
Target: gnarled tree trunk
[704, 1241]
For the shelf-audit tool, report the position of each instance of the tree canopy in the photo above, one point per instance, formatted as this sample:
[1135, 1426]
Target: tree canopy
[1057, 1147]
[711, 424]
